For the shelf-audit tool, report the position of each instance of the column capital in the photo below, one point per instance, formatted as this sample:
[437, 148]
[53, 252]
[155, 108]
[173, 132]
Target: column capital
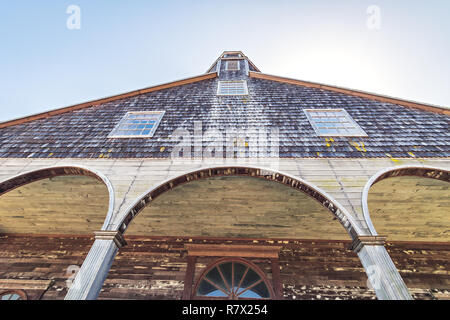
[116, 236]
[362, 241]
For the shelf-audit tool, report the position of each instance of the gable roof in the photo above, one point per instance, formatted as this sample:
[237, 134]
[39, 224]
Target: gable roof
[393, 130]
[252, 74]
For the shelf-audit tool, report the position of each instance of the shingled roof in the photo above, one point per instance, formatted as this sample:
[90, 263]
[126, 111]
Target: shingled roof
[395, 128]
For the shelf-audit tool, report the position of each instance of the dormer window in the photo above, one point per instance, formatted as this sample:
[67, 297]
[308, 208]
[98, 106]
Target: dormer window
[232, 65]
[137, 125]
[232, 88]
[333, 123]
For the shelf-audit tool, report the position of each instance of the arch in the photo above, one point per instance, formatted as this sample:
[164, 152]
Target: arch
[407, 170]
[13, 295]
[232, 291]
[322, 197]
[242, 207]
[50, 172]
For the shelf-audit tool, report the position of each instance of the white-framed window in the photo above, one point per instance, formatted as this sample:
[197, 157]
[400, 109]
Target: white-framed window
[137, 124]
[333, 122]
[232, 88]
[232, 65]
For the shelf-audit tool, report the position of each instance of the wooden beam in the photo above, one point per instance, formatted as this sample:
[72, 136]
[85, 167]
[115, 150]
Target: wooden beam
[243, 251]
[276, 279]
[23, 284]
[189, 277]
[362, 94]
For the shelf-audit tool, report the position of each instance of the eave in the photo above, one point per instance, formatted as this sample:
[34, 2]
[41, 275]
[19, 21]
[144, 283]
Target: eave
[97, 102]
[353, 92]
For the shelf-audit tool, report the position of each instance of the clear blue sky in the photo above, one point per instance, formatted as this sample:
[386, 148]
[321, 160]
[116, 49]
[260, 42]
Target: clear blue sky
[127, 45]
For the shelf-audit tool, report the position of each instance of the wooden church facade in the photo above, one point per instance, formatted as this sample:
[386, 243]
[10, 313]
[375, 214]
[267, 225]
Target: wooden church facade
[230, 185]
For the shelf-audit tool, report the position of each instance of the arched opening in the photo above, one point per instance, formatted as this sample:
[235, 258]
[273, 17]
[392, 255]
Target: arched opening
[233, 279]
[292, 231]
[47, 219]
[237, 207]
[411, 207]
[13, 295]
[324, 199]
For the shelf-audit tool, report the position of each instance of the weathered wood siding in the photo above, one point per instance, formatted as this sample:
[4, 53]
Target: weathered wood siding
[411, 209]
[154, 268]
[34, 257]
[236, 207]
[59, 205]
[343, 179]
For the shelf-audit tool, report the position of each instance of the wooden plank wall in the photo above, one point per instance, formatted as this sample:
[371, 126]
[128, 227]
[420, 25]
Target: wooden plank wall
[154, 268]
[411, 209]
[238, 207]
[40, 257]
[402, 208]
[59, 205]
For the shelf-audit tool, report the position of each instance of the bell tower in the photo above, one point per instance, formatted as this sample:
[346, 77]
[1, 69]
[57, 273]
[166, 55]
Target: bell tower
[233, 65]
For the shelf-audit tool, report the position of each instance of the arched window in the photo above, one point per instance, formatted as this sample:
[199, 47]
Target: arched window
[13, 295]
[233, 279]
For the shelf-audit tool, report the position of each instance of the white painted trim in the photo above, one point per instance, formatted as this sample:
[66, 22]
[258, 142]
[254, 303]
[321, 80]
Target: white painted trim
[218, 66]
[105, 180]
[116, 226]
[365, 193]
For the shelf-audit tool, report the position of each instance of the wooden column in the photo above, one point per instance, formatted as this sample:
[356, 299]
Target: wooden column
[276, 279]
[381, 271]
[89, 280]
[189, 278]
